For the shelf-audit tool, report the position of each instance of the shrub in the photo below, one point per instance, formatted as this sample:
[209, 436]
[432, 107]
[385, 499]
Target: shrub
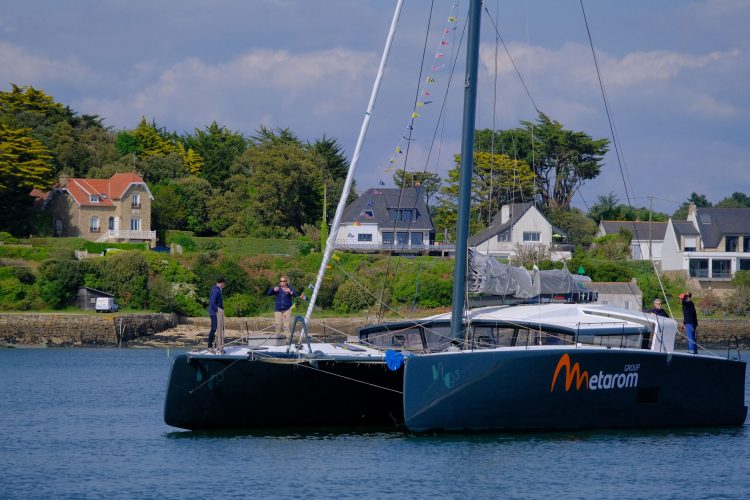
[708, 303]
[59, 282]
[243, 304]
[738, 303]
[352, 297]
[741, 278]
[126, 275]
[7, 237]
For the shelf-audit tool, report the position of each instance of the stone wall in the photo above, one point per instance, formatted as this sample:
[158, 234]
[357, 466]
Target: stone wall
[80, 329]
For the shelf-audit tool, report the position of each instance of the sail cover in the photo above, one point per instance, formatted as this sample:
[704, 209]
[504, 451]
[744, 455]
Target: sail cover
[488, 276]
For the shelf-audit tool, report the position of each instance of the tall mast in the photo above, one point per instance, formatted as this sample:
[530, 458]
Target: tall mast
[355, 160]
[466, 167]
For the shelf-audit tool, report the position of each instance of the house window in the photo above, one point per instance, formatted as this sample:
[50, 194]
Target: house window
[368, 213]
[721, 268]
[94, 198]
[746, 243]
[532, 236]
[402, 238]
[731, 243]
[364, 237]
[94, 224]
[111, 224]
[387, 237]
[691, 242]
[636, 252]
[417, 239]
[401, 214]
[504, 236]
[136, 200]
[743, 265]
[698, 268]
[135, 224]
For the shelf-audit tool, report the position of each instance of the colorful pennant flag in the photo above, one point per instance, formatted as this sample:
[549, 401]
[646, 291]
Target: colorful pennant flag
[382, 183]
[415, 115]
[452, 19]
[444, 42]
[430, 79]
[439, 55]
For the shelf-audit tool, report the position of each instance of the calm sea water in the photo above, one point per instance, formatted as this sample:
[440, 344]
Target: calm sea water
[88, 423]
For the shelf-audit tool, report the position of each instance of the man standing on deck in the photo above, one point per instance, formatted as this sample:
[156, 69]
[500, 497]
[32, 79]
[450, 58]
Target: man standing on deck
[690, 320]
[283, 295]
[215, 305]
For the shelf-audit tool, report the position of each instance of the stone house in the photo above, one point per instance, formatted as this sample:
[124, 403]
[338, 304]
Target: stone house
[117, 209]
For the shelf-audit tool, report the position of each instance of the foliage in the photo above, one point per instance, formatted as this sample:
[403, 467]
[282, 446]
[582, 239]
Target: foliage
[352, 297]
[59, 282]
[125, 274]
[218, 147]
[738, 302]
[708, 303]
[613, 246]
[429, 182]
[16, 290]
[736, 200]
[245, 304]
[741, 278]
[608, 207]
[579, 228]
[699, 200]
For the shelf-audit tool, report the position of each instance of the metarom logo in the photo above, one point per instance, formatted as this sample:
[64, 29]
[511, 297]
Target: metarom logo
[598, 381]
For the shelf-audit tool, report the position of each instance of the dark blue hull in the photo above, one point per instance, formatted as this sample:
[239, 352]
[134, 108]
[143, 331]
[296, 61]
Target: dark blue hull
[213, 392]
[538, 388]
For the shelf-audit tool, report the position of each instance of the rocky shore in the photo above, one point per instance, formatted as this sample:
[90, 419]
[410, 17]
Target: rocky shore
[167, 330]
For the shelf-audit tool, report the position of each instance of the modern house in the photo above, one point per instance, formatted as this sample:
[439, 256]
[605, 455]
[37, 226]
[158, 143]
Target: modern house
[387, 219]
[520, 225]
[117, 209]
[712, 244]
[648, 237]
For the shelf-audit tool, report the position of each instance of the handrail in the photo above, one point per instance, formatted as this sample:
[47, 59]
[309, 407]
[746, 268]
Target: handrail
[736, 346]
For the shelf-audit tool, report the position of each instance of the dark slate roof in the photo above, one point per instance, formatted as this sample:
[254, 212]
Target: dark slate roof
[714, 223]
[610, 288]
[684, 228]
[639, 229]
[517, 210]
[380, 201]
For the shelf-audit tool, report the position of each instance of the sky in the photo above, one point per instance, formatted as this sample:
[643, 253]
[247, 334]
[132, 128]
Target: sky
[675, 74]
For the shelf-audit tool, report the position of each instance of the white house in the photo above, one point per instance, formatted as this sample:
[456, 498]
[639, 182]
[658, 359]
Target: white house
[519, 224]
[386, 219]
[712, 244]
[648, 237]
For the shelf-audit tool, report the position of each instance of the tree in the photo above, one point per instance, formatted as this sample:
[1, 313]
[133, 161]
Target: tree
[286, 184]
[192, 161]
[605, 208]
[24, 161]
[699, 200]
[194, 194]
[737, 200]
[125, 274]
[219, 147]
[608, 208]
[429, 182]
[579, 228]
[151, 141]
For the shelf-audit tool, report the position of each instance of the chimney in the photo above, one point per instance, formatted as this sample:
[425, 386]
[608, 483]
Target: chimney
[504, 214]
[63, 180]
[691, 215]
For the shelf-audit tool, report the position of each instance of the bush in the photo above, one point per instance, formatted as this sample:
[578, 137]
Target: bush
[738, 303]
[243, 304]
[741, 278]
[59, 282]
[708, 303]
[7, 237]
[125, 274]
[352, 297]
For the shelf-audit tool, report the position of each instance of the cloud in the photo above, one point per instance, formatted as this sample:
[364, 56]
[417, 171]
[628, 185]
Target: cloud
[23, 68]
[256, 86]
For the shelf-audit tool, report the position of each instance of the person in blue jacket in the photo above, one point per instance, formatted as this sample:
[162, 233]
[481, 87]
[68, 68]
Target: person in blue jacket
[283, 301]
[215, 304]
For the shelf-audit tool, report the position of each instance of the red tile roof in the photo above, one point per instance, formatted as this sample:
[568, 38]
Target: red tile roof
[107, 189]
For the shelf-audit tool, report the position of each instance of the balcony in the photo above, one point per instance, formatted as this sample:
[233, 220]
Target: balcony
[394, 247]
[128, 234]
[135, 206]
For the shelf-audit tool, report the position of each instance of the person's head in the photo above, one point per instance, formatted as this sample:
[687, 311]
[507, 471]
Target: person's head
[283, 281]
[685, 297]
[657, 303]
[220, 282]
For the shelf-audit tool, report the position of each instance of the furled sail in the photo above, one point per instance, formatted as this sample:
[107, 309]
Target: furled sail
[488, 276]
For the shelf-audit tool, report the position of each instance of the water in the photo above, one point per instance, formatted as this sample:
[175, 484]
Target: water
[88, 423]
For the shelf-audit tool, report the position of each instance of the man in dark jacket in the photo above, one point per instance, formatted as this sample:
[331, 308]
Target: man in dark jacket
[690, 320]
[657, 309]
[215, 306]
[283, 301]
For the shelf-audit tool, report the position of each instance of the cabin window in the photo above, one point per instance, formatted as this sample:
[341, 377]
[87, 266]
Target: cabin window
[94, 224]
[403, 338]
[731, 243]
[94, 198]
[364, 237]
[136, 200]
[532, 236]
[135, 224]
[438, 337]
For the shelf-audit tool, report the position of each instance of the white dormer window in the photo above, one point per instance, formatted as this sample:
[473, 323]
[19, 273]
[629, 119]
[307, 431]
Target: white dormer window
[94, 198]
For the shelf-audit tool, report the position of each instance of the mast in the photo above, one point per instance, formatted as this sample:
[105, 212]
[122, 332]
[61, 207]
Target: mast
[353, 166]
[466, 167]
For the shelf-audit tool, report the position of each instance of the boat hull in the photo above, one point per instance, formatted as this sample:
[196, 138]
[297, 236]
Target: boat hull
[538, 388]
[214, 392]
